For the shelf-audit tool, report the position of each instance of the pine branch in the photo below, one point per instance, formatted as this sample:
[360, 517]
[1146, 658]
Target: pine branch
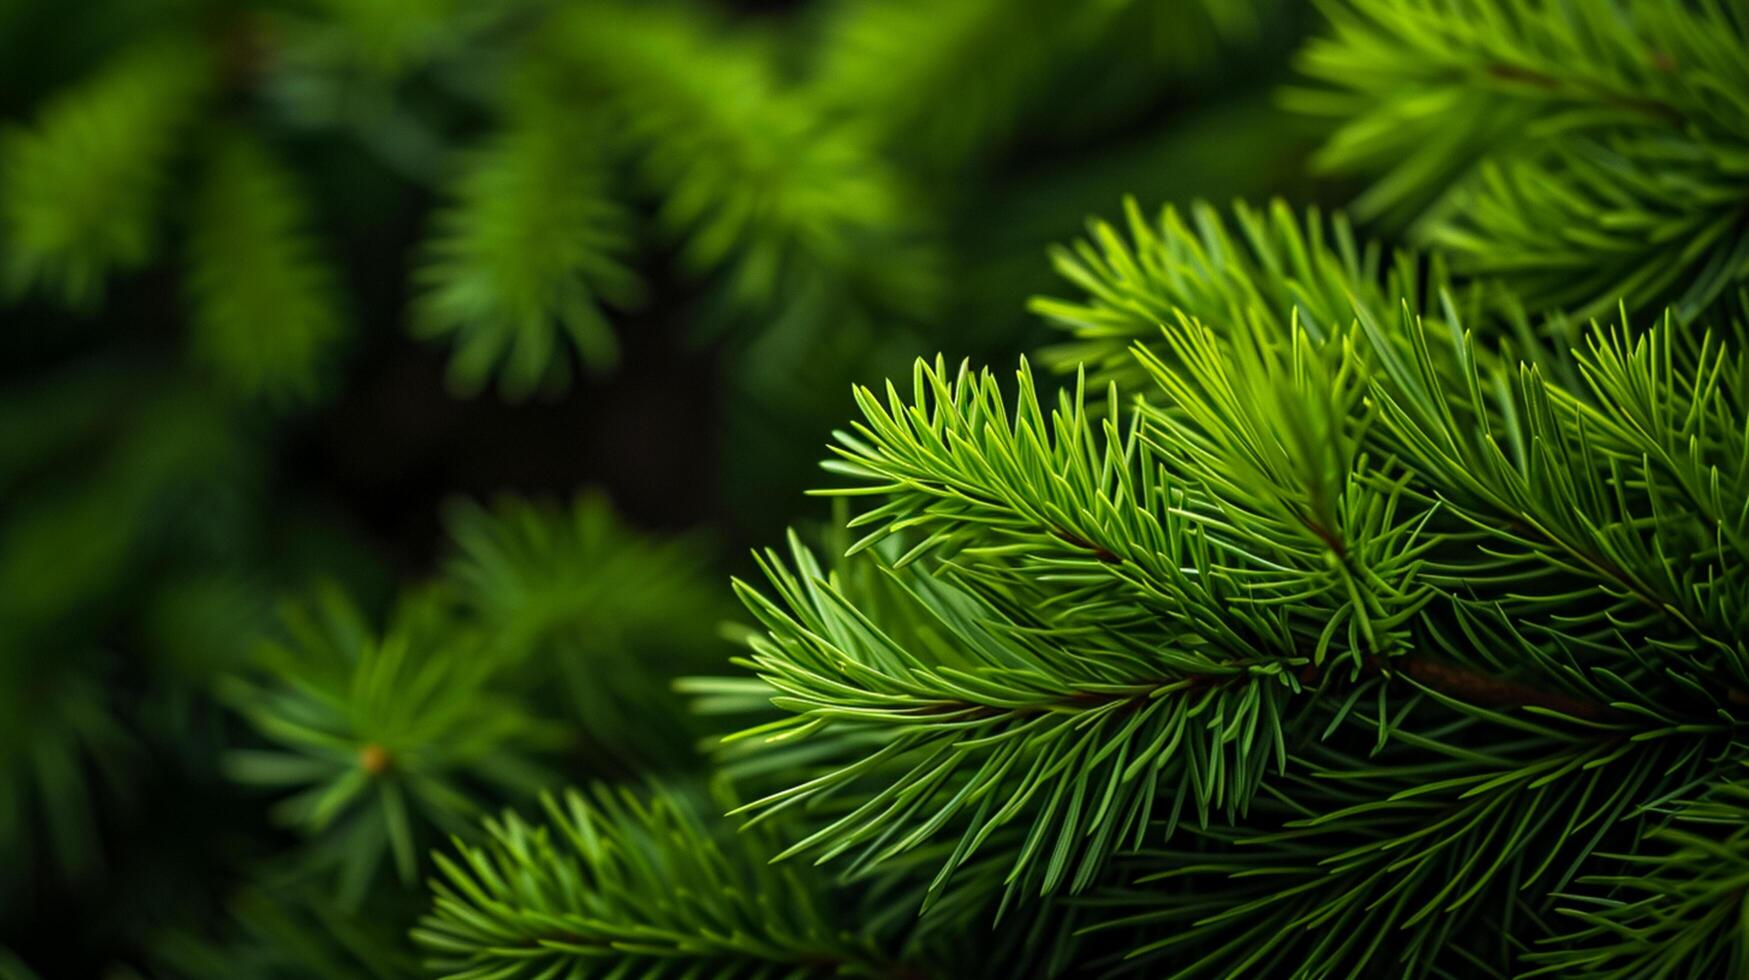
[1529, 567]
[380, 739]
[531, 246]
[1274, 270]
[1418, 856]
[1581, 156]
[80, 195]
[265, 305]
[1675, 908]
[615, 884]
[788, 208]
[582, 607]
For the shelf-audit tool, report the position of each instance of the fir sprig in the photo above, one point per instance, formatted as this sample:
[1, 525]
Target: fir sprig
[522, 261]
[1587, 155]
[380, 739]
[81, 196]
[615, 883]
[577, 604]
[1344, 605]
[264, 303]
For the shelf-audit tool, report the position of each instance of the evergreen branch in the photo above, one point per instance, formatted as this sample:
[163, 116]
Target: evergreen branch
[992, 723]
[614, 884]
[379, 737]
[1528, 465]
[787, 207]
[1411, 859]
[578, 604]
[1537, 580]
[1482, 438]
[1585, 157]
[265, 311]
[1675, 908]
[1276, 269]
[521, 260]
[1596, 224]
[80, 193]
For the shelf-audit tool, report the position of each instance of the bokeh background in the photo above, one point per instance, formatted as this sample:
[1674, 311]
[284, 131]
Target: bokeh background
[548, 305]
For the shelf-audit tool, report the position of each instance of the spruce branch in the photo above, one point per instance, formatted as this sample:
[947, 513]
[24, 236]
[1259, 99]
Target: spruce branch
[784, 206]
[1353, 628]
[615, 883]
[80, 197]
[264, 303]
[1584, 156]
[1411, 857]
[380, 739]
[1675, 908]
[531, 246]
[1267, 265]
[580, 606]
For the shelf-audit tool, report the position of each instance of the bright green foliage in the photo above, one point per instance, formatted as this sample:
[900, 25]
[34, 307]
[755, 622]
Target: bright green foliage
[1585, 153]
[264, 305]
[523, 258]
[380, 738]
[1275, 272]
[1351, 611]
[569, 594]
[80, 195]
[615, 884]
[1343, 643]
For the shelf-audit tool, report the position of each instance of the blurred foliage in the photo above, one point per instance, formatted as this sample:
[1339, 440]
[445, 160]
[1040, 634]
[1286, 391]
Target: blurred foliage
[282, 279]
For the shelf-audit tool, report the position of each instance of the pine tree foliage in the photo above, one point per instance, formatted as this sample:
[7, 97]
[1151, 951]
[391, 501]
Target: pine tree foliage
[288, 933]
[265, 313]
[58, 746]
[531, 247]
[1340, 609]
[1274, 269]
[551, 636]
[1342, 645]
[614, 883]
[1677, 907]
[883, 64]
[378, 738]
[1587, 154]
[575, 601]
[91, 184]
[81, 196]
[535, 573]
[755, 186]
